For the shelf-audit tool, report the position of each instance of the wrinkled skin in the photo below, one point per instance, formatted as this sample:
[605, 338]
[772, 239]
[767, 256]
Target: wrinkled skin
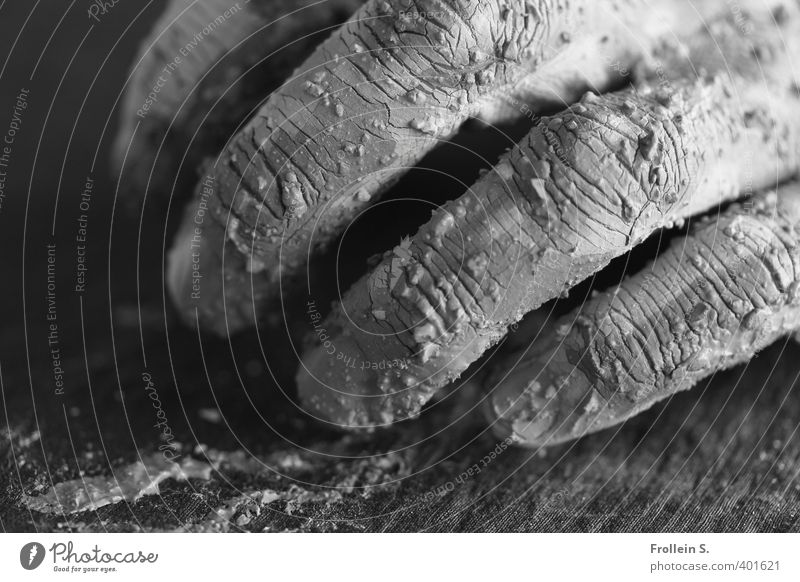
[713, 116]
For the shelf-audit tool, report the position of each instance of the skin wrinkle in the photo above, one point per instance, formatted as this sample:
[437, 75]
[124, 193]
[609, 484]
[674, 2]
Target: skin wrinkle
[425, 302]
[637, 130]
[501, 224]
[627, 325]
[274, 205]
[730, 339]
[732, 274]
[384, 54]
[205, 96]
[309, 178]
[470, 285]
[521, 36]
[442, 306]
[648, 351]
[502, 70]
[677, 303]
[707, 112]
[776, 271]
[460, 293]
[586, 198]
[586, 193]
[411, 318]
[435, 299]
[759, 296]
[251, 191]
[711, 279]
[673, 158]
[665, 333]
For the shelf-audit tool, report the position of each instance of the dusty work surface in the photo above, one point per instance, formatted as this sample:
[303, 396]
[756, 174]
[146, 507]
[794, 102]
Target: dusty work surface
[83, 455]
[722, 458]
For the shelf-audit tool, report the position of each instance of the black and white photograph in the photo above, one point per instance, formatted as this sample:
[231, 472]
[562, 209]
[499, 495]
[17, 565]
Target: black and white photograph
[381, 267]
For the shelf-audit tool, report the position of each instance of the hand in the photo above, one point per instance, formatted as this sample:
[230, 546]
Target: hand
[717, 120]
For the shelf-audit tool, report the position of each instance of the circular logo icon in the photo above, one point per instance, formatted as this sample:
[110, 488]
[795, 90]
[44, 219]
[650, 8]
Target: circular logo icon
[31, 555]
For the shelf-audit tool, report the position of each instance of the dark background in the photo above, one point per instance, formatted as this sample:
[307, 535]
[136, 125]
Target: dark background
[724, 457]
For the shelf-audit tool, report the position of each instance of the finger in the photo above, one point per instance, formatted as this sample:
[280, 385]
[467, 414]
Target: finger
[710, 302]
[200, 72]
[584, 187]
[384, 89]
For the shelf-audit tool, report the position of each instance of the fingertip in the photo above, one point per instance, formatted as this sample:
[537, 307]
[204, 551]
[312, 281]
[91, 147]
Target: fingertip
[204, 287]
[539, 400]
[325, 385]
[179, 270]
